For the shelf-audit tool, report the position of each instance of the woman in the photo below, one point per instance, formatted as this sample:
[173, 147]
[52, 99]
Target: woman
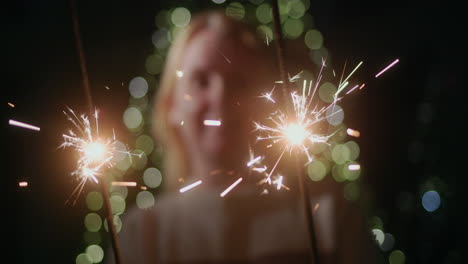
[214, 72]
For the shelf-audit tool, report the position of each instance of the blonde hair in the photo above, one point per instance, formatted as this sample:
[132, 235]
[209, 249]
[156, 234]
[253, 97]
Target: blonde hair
[176, 162]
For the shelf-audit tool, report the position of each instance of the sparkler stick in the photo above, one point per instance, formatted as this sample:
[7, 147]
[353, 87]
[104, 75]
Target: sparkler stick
[299, 171]
[87, 89]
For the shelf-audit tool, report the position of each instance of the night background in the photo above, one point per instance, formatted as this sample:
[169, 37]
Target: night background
[411, 119]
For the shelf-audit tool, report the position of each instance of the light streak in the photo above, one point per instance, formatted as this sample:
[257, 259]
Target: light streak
[23, 184]
[352, 89]
[212, 122]
[223, 55]
[23, 125]
[121, 183]
[11, 105]
[180, 74]
[230, 187]
[250, 163]
[186, 188]
[354, 167]
[386, 68]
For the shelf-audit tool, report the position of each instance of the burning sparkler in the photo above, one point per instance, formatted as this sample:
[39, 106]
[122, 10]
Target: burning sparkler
[94, 152]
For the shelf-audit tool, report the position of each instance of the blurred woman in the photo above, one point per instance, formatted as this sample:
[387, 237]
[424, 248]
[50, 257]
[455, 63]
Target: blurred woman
[215, 70]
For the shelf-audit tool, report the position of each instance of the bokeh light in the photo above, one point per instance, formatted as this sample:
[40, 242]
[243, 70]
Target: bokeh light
[431, 201]
[378, 235]
[139, 159]
[152, 177]
[154, 64]
[235, 10]
[397, 257]
[296, 8]
[83, 258]
[340, 153]
[132, 118]
[160, 39]
[313, 39]
[335, 115]
[145, 143]
[144, 200]
[218, 1]
[117, 223]
[180, 17]
[327, 92]
[293, 28]
[121, 191]
[263, 13]
[354, 149]
[118, 204]
[94, 201]
[138, 87]
[388, 243]
[95, 252]
[93, 222]
[316, 170]
[352, 191]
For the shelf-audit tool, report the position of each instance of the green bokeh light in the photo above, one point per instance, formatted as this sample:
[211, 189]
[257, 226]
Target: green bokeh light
[354, 149]
[145, 143]
[95, 252]
[263, 13]
[162, 19]
[144, 200]
[296, 9]
[313, 39]
[235, 10]
[326, 92]
[265, 33]
[340, 153]
[93, 222]
[139, 159]
[375, 222]
[124, 164]
[94, 201]
[83, 258]
[118, 204]
[121, 191]
[397, 257]
[337, 173]
[117, 224]
[293, 28]
[180, 17]
[152, 177]
[316, 170]
[321, 54]
[154, 64]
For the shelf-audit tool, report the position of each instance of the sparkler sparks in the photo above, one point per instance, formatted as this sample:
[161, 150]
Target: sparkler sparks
[188, 187]
[94, 151]
[386, 68]
[23, 125]
[23, 184]
[11, 105]
[230, 187]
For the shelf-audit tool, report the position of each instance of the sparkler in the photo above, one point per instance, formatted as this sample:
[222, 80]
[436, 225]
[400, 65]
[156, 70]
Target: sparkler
[95, 153]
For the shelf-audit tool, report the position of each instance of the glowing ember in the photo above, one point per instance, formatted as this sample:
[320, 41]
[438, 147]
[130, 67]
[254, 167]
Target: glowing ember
[353, 133]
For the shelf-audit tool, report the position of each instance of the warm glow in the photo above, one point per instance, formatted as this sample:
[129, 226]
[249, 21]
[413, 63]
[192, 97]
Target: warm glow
[95, 151]
[296, 134]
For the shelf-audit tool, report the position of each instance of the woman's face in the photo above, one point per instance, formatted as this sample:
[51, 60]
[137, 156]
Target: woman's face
[220, 81]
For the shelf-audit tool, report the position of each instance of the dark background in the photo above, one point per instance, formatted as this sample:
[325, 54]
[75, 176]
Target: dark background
[411, 119]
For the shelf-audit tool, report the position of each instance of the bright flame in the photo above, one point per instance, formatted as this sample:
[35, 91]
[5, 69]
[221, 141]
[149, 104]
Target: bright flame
[95, 151]
[296, 134]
